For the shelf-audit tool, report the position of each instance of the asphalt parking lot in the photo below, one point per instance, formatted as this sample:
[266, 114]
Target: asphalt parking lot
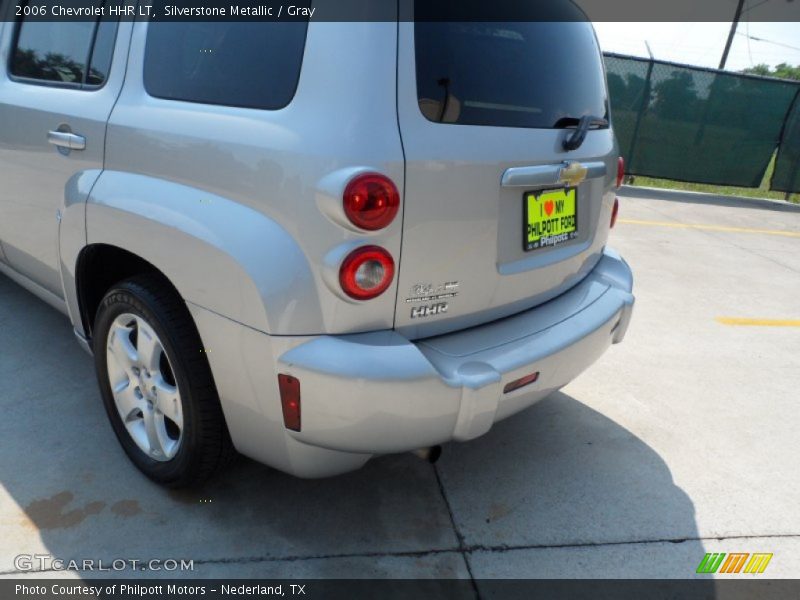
[680, 441]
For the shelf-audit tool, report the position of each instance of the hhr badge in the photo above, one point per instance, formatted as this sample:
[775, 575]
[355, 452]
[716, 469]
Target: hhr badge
[433, 294]
[428, 310]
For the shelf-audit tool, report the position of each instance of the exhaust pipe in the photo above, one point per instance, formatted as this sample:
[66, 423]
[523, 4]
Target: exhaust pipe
[430, 455]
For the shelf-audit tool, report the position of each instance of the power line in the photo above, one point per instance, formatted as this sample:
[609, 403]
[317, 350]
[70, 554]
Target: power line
[749, 8]
[758, 39]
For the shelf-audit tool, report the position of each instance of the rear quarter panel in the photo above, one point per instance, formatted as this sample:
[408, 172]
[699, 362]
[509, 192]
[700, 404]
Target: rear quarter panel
[248, 194]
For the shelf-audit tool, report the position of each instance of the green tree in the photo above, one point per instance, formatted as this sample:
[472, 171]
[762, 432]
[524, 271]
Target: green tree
[783, 71]
[626, 93]
[52, 67]
[676, 97]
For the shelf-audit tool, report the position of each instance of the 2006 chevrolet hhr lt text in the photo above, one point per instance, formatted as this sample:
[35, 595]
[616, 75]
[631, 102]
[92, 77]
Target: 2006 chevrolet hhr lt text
[313, 242]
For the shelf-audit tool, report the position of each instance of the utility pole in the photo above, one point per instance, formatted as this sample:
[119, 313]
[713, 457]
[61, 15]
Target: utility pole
[734, 25]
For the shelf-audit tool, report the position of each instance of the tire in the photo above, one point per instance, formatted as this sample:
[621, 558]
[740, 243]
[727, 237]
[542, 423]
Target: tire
[157, 385]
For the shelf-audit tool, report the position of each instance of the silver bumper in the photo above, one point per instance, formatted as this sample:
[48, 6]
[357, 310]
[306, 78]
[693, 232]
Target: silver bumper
[380, 393]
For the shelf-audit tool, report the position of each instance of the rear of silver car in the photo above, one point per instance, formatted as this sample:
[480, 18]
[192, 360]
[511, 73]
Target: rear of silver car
[506, 290]
[386, 234]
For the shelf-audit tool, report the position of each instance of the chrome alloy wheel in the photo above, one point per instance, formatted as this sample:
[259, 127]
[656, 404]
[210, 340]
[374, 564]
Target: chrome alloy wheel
[144, 387]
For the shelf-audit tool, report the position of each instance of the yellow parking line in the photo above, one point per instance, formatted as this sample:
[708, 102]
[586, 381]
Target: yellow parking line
[758, 322]
[711, 227]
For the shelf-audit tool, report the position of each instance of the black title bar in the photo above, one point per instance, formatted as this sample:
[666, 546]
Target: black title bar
[404, 10]
[30, 588]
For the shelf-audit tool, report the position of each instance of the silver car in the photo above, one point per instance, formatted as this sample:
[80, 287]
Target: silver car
[312, 243]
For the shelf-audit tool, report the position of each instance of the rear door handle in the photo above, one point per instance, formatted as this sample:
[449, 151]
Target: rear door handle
[63, 139]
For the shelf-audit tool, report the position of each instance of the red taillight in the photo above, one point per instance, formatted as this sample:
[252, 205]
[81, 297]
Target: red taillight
[290, 401]
[371, 201]
[366, 272]
[620, 171]
[521, 382]
[614, 212]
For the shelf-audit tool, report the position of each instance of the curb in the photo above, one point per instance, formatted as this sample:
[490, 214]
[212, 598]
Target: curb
[629, 191]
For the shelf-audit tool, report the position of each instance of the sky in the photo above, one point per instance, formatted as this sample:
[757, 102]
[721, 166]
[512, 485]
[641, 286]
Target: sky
[702, 43]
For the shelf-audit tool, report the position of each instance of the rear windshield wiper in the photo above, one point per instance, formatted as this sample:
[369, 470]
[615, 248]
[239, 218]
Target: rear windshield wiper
[582, 125]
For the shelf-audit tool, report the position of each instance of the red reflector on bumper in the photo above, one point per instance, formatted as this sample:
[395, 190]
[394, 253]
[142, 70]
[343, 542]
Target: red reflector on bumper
[521, 383]
[290, 401]
[614, 212]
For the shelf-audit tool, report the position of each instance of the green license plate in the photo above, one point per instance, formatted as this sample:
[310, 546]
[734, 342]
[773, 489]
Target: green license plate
[551, 218]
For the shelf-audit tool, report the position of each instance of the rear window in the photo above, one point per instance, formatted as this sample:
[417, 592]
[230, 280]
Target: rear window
[245, 64]
[538, 74]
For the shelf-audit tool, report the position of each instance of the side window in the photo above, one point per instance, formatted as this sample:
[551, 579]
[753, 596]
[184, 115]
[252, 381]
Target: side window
[244, 64]
[102, 52]
[75, 54]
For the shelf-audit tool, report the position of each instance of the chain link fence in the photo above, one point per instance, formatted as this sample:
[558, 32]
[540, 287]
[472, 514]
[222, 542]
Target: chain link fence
[786, 177]
[703, 125]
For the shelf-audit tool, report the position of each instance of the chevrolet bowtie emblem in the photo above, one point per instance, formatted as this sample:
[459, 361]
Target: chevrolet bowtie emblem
[573, 174]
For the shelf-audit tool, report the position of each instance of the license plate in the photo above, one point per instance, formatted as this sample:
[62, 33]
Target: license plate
[551, 218]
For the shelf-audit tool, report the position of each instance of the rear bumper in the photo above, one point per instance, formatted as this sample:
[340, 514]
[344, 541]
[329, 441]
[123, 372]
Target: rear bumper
[380, 393]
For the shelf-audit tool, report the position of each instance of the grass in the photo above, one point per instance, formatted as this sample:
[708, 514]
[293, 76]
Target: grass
[761, 191]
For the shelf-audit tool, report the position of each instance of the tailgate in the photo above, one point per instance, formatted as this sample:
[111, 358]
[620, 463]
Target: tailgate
[498, 217]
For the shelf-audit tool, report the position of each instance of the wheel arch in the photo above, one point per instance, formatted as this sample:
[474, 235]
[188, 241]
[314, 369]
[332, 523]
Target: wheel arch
[218, 254]
[98, 268]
